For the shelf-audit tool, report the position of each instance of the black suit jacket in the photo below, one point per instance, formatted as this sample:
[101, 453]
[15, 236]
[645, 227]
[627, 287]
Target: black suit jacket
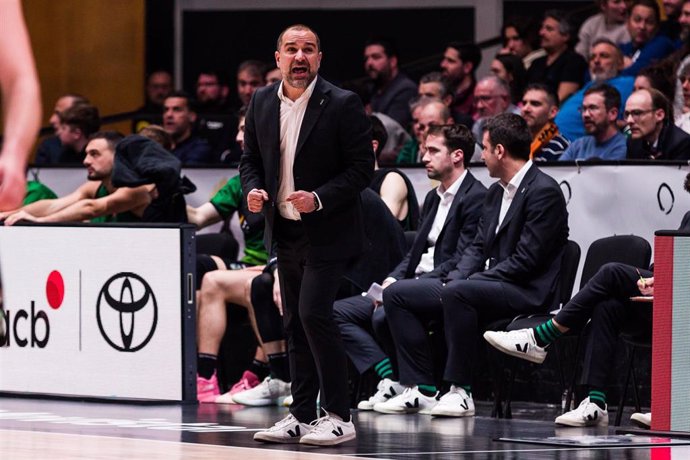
[334, 158]
[458, 230]
[528, 247]
[674, 144]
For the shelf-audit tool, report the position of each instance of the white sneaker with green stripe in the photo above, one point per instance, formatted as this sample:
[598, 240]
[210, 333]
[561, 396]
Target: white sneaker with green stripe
[520, 343]
[586, 414]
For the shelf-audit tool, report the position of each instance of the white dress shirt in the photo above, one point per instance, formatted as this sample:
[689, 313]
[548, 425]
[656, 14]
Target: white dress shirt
[510, 190]
[426, 262]
[291, 117]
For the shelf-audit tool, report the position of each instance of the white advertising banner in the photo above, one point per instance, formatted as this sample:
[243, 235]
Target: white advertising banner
[92, 311]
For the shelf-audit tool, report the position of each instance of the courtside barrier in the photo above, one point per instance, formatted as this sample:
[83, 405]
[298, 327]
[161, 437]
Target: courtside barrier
[99, 311]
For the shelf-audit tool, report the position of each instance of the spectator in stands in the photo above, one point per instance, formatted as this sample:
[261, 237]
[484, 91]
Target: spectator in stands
[458, 66]
[509, 67]
[653, 135]
[250, 76]
[491, 97]
[51, 150]
[97, 200]
[435, 85]
[392, 185]
[604, 304]
[409, 152]
[212, 91]
[681, 58]
[392, 90]
[599, 116]
[671, 26]
[77, 124]
[609, 23]
[520, 38]
[646, 45]
[684, 21]
[683, 118]
[159, 84]
[561, 68]
[655, 76]
[216, 122]
[272, 75]
[178, 120]
[605, 64]
[426, 112]
[448, 224]
[539, 108]
[510, 268]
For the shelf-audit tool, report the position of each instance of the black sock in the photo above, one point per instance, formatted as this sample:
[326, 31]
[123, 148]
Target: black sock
[280, 366]
[259, 368]
[206, 365]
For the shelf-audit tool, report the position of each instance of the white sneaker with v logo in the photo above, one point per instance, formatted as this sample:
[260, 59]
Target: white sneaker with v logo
[586, 414]
[329, 430]
[411, 401]
[287, 431]
[455, 403]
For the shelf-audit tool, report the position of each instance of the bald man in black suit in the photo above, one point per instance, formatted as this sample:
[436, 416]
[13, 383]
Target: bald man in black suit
[306, 158]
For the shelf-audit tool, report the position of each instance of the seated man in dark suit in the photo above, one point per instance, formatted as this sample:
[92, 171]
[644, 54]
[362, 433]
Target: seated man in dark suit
[511, 267]
[653, 136]
[448, 223]
[605, 300]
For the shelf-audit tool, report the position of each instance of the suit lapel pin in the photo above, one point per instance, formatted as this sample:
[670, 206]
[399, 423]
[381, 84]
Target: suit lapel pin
[321, 103]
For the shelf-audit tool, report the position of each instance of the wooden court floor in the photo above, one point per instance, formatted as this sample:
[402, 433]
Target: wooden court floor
[52, 429]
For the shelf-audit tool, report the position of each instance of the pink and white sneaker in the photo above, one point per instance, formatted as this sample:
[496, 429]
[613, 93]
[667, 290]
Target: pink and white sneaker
[248, 381]
[207, 390]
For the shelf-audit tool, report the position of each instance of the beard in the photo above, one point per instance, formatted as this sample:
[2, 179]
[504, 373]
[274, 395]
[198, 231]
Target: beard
[301, 82]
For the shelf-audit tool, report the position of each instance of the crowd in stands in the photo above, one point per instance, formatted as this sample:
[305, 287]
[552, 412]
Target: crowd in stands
[626, 45]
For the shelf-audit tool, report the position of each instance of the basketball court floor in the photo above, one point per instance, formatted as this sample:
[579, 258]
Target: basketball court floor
[68, 429]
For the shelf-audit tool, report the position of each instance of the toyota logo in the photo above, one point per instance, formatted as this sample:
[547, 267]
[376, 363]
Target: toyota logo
[127, 312]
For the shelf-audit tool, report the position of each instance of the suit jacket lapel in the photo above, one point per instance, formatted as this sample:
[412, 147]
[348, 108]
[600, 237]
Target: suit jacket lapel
[457, 199]
[419, 244]
[519, 197]
[317, 102]
[492, 214]
[271, 118]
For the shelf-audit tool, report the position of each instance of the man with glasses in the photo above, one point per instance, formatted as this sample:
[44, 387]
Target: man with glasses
[599, 114]
[491, 97]
[652, 132]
